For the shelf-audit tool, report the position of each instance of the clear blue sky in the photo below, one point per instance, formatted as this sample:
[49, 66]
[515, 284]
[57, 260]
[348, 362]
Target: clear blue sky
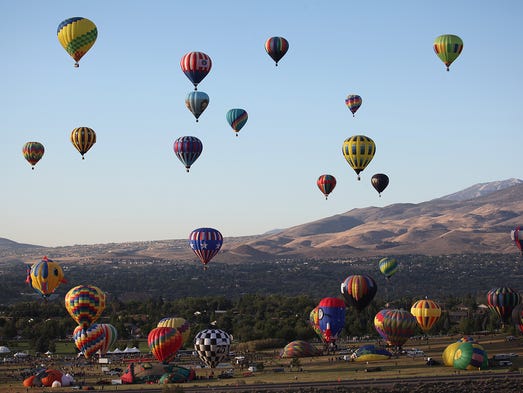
[436, 132]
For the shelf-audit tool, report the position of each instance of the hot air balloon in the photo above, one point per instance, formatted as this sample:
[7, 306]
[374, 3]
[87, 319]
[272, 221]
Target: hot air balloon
[205, 243]
[89, 340]
[299, 349]
[110, 337]
[518, 241]
[314, 322]
[212, 345]
[276, 47]
[388, 266]
[370, 352]
[179, 324]
[470, 356]
[379, 181]
[164, 343]
[196, 102]
[331, 315]
[45, 276]
[33, 152]
[85, 304]
[427, 312]
[358, 291]
[83, 138]
[77, 35]
[450, 350]
[395, 326]
[448, 47]
[237, 118]
[517, 317]
[502, 301]
[187, 149]
[326, 184]
[358, 150]
[353, 102]
[196, 66]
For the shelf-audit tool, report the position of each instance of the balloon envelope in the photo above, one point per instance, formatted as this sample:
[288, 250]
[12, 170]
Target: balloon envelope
[83, 138]
[110, 337]
[205, 243]
[196, 66]
[379, 181]
[85, 304]
[358, 151]
[314, 322]
[395, 326]
[388, 266]
[187, 149]
[448, 47]
[331, 315]
[358, 291]
[427, 312]
[276, 48]
[353, 102]
[237, 118]
[517, 238]
[89, 340]
[197, 102]
[502, 301]
[326, 184]
[180, 324]
[212, 346]
[470, 356]
[299, 349]
[164, 343]
[77, 35]
[45, 276]
[33, 152]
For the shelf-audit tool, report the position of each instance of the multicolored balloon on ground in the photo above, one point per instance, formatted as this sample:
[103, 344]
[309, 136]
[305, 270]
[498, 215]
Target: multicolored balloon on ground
[358, 291]
[450, 350]
[299, 349]
[326, 184]
[358, 151]
[388, 266]
[395, 326]
[353, 102]
[448, 47]
[110, 337]
[427, 313]
[77, 35]
[33, 152]
[90, 340]
[379, 181]
[196, 66]
[502, 301]
[180, 324]
[470, 356]
[83, 138]
[276, 48]
[45, 276]
[205, 243]
[212, 346]
[187, 149]
[85, 304]
[237, 118]
[367, 353]
[517, 238]
[331, 315]
[197, 102]
[164, 343]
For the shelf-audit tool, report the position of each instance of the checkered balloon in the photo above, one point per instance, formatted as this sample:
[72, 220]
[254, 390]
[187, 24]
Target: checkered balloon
[212, 346]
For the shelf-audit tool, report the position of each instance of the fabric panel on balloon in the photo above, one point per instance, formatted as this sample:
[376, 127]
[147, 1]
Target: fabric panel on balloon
[212, 345]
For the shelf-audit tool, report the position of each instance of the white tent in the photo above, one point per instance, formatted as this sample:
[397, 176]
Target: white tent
[4, 349]
[131, 350]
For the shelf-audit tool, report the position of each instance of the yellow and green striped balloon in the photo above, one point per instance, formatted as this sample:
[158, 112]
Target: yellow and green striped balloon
[358, 150]
[77, 35]
[448, 47]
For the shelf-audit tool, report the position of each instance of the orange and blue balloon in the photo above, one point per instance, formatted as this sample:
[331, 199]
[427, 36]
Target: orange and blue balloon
[45, 276]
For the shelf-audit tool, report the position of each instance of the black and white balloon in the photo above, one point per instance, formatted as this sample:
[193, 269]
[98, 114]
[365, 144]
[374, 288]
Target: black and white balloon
[212, 345]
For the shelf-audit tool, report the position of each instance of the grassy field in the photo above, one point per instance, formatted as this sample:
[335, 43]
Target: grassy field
[320, 368]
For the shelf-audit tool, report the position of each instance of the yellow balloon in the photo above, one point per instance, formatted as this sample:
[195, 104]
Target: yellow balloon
[77, 35]
[179, 324]
[426, 312]
[358, 150]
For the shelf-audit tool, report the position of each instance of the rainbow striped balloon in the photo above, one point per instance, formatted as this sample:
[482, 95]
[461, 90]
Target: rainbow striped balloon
[90, 340]
[164, 343]
[85, 304]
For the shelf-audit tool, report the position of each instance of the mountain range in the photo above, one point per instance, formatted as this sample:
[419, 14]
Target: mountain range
[475, 220]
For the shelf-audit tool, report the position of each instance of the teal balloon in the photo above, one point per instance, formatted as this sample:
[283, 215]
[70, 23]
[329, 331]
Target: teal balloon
[196, 102]
[237, 118]
[388, 266]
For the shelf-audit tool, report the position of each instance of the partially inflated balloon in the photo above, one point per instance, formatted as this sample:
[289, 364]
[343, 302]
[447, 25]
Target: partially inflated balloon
[45, 276]
[33, 152]
[470, 356]
[237, 118]
[196, 66]
[197, 102]
[427, 312]
[83, 138]
[299, 349]
[180, 324]
[85, 304]
[276, 48]
[326, 184]
[388, 266]
[77, 35]
[353, 102]
[205, 243]
[188, 149]
[358, 291]
[164, 343]
[448, 47]
[212, 346]
[358, 151]
[90, 340]
[379, 181]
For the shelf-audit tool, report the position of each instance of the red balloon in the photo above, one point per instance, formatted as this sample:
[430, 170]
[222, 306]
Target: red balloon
[164, 343]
